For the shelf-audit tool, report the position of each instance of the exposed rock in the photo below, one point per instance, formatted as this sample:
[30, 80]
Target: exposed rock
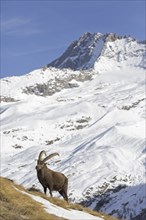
[7, 99]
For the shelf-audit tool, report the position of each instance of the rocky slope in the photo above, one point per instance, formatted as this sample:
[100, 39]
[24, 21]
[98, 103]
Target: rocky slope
[92, 49]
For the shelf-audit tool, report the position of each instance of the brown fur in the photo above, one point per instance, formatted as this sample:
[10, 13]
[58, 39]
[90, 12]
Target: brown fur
[54, 181]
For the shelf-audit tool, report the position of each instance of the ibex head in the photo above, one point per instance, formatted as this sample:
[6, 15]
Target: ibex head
[41, 162]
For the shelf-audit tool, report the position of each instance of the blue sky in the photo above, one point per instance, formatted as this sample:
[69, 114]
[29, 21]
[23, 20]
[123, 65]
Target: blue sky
[33, 32]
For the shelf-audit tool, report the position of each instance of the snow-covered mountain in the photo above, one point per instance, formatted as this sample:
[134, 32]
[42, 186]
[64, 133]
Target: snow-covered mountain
[92, 113]
[94, 50]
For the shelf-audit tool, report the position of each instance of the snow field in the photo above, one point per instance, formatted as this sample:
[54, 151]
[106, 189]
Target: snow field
[98, 128]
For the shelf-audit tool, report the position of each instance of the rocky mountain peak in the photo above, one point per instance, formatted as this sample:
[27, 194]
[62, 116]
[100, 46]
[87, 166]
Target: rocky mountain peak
[111, 37]
[85, 52]
[78, 54]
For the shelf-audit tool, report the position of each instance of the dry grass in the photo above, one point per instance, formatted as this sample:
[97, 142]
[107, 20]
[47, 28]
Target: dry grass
[62, 203]
[17, 206]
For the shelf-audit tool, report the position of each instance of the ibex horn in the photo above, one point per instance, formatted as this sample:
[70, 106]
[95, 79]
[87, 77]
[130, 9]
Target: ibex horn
[49, 157]
[40, 155]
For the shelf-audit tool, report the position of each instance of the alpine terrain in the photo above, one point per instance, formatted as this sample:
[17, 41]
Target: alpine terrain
[89, 106]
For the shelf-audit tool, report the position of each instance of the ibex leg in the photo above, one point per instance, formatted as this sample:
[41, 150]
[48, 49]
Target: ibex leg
[51, 193]
[45, 190]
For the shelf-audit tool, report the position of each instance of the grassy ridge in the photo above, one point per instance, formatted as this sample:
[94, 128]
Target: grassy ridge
[17, 206]
[62, 203]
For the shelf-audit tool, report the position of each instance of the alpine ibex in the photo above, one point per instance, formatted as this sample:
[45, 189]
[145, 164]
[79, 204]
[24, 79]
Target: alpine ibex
[54, 181]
